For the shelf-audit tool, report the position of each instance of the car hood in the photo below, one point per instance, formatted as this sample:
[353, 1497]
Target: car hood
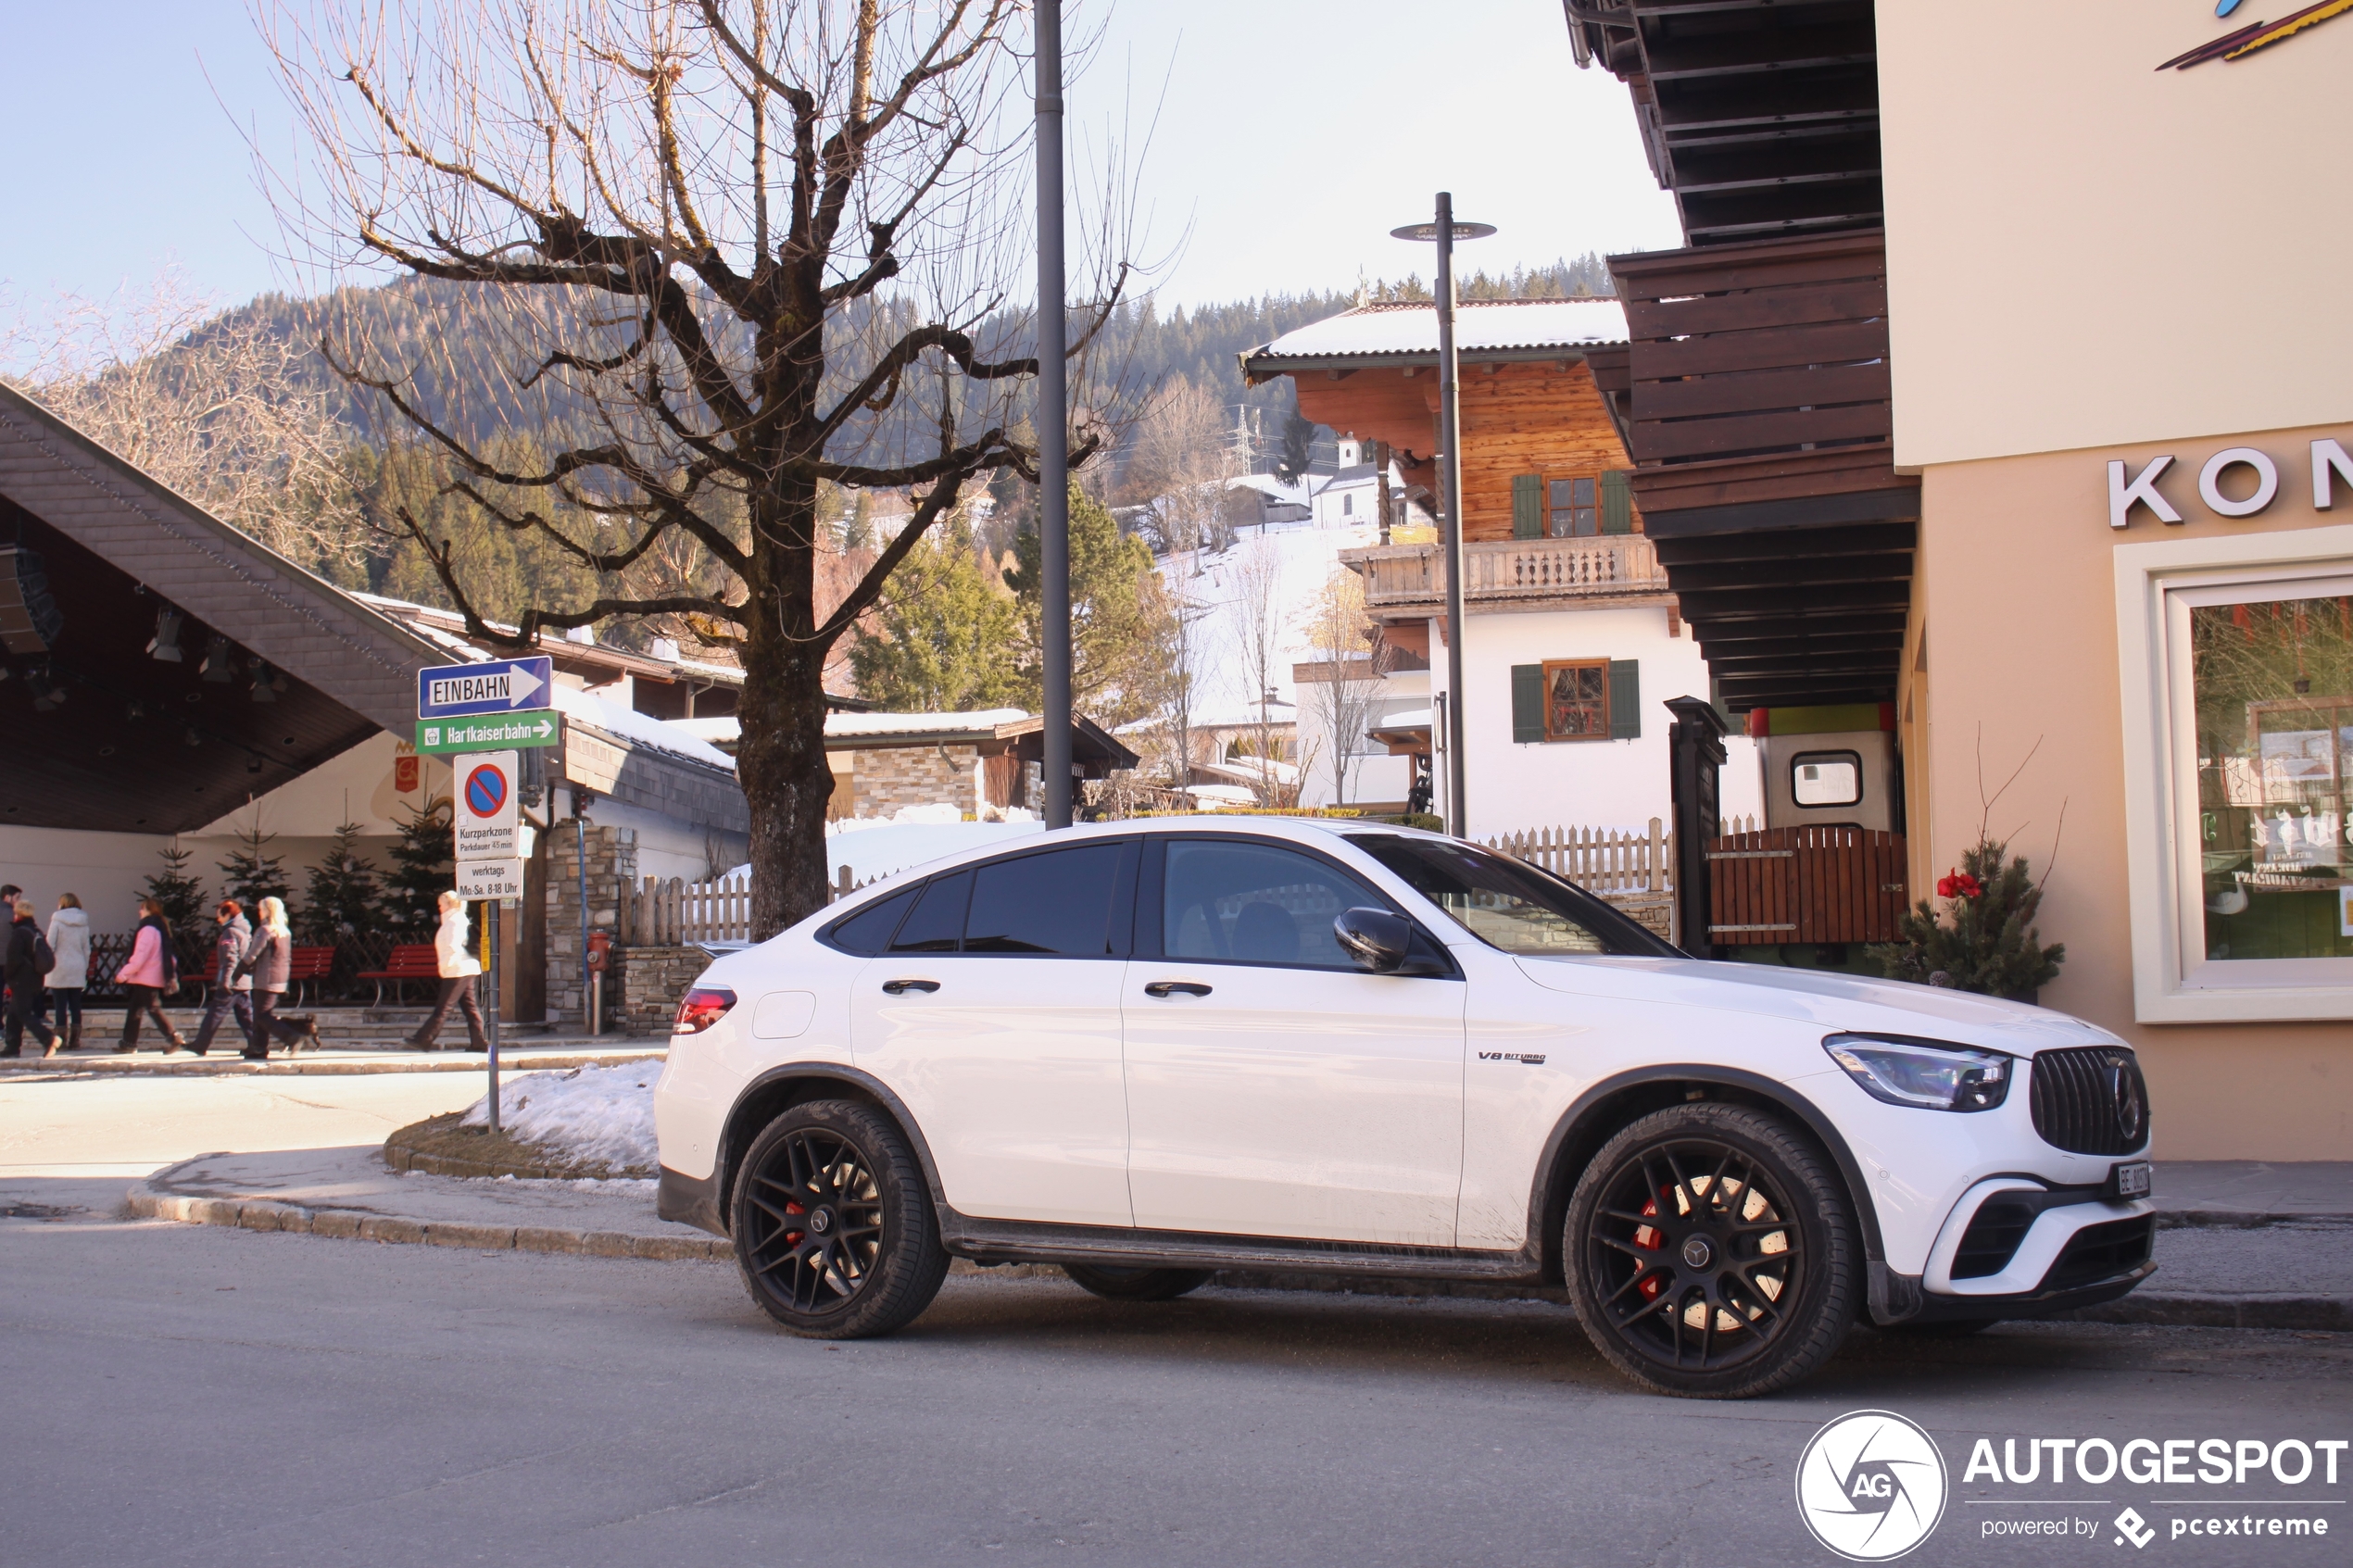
[1832, 1002]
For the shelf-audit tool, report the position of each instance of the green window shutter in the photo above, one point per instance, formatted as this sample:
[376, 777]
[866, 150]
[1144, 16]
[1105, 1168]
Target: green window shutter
[1618, 502]
[1625, 699]
[1527, 506]
[1528, 703]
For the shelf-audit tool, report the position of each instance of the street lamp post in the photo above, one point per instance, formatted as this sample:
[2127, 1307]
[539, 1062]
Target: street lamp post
[1446, 231]
[1054, 426]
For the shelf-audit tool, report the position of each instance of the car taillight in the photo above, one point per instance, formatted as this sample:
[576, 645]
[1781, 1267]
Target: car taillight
[702, 1007]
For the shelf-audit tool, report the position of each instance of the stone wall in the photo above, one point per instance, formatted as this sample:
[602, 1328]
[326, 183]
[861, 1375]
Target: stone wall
[918, 775]
[1656, 910]
[641, 996]
[613, 865]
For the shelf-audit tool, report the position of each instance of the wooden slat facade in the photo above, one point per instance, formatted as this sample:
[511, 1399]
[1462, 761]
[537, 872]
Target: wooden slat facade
[1808, 884]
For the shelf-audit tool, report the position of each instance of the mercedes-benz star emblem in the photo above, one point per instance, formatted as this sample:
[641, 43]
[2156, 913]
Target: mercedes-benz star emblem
[821, 1222]
[1696, 1252]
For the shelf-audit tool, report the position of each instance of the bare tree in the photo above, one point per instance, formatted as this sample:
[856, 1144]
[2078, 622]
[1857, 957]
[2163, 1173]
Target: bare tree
[1178, 466]
[1342, 635]
[215, 405]
[739, 250]
[1259, 620]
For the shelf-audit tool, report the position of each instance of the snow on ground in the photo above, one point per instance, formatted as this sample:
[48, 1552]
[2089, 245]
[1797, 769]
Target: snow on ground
[1309, 554]
[603, 1114]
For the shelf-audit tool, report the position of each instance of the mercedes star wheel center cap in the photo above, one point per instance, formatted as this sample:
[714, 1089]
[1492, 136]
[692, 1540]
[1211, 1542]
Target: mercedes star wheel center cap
[821, 1222]
[1696, 1252]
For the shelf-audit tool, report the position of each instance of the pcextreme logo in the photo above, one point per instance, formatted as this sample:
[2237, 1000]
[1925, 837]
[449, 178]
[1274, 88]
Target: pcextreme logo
[1871, 1486]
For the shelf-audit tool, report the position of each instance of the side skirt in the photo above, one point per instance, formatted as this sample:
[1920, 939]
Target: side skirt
[1021, 1241]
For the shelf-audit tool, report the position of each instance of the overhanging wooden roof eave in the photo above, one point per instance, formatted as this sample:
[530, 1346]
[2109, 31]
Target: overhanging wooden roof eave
[1258, 369]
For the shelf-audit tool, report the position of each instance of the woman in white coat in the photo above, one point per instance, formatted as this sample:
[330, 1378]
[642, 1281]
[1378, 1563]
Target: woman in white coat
[454, 958]
[69, 939]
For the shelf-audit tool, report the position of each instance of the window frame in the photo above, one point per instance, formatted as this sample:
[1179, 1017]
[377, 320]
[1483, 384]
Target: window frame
[1594, 507]
[1840, 755]
[1150, 943]
[1544, 692]
[2156, 583]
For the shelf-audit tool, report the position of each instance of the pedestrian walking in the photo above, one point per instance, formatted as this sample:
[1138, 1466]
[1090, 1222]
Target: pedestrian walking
[152, 971]
[232, 992]
[269, 958]
[69, 940]
[454, 958]
[26, 969]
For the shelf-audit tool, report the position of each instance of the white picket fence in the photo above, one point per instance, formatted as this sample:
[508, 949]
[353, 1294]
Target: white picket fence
[1619, 862]
[674, 912]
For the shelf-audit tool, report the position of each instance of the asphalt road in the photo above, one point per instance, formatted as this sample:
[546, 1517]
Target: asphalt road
[194, 1396]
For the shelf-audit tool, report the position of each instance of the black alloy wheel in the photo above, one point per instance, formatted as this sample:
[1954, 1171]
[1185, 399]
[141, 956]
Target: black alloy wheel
[1136, 1285]
[834, 1225]
[1712, 1252]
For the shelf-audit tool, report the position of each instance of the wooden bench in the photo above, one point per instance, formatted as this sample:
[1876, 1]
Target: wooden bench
[409, 961]
[304, 965]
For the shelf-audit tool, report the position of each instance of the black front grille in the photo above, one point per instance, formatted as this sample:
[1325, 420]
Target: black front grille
[2103, 1251]
[1995, 1231]
[2091, 1100]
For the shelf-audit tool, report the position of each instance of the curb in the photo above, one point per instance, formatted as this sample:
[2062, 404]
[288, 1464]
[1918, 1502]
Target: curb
[2146, 1309]
[146, 1201]
[404, 1157]
[2241, 1219]
[236, 1067]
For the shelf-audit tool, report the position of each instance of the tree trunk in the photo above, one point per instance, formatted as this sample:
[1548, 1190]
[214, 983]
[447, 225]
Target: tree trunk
[786, 779]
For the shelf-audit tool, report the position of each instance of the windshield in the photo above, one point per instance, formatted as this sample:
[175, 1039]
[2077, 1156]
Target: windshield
[1510, 904]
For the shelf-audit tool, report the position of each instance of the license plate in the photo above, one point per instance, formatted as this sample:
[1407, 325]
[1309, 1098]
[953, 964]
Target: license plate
[2131, 1181]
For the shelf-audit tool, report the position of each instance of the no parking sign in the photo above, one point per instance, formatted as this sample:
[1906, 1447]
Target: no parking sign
[486, 807]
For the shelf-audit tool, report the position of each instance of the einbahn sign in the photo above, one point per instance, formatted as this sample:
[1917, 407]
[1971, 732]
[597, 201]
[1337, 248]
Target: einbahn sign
[501, 685]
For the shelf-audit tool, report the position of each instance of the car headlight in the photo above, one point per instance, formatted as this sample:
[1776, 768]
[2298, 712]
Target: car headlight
[1916, 1074]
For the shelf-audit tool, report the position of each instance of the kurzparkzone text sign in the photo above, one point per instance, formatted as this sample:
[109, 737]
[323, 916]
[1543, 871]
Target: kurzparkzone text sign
[503, 685]
[487, 812]
[439, 737]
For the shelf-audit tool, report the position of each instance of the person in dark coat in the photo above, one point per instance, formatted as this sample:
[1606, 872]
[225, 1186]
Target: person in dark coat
[232, 992]
[270, 961]
[27, 977]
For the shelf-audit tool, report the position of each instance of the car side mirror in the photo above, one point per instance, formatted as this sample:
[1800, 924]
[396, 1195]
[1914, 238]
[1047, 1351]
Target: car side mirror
[1377, 939]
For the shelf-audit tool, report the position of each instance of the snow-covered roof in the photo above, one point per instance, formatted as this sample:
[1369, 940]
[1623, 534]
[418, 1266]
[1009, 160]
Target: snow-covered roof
[639, 729]
[1407, 331]
[1413, 719]
[841, 724]
[445, 629]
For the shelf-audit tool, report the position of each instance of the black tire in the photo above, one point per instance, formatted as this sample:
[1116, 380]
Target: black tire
[1718, 1300]
[833, 1226]
[1136, 1285]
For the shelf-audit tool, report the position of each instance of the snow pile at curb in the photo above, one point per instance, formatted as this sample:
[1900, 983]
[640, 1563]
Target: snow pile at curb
[595, 1114]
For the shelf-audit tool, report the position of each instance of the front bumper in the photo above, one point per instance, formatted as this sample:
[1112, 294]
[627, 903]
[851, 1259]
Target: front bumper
[2014, 1247]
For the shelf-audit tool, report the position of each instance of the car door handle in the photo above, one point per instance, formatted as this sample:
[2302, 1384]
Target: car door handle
[1176, 988]
[901, 987]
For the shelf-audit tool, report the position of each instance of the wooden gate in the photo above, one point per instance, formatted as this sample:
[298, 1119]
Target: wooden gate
[1805, 884]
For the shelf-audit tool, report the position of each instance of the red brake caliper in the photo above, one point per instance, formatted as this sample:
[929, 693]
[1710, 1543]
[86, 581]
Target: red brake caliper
[1650, 1239]
[794, 1238]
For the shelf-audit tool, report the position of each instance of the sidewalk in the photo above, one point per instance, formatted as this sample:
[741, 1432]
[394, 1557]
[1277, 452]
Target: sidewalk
[351, 1040]
[2222, 1262]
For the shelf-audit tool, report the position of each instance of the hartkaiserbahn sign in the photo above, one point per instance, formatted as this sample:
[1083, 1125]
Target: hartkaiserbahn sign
[439, 737]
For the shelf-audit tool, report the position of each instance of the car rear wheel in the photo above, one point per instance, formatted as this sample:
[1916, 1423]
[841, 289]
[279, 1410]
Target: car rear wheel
[1712, 1252]
[1136, 1285]
[833, 1226]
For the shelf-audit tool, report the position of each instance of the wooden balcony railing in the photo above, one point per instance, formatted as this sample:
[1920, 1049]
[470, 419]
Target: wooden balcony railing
[1515, 571]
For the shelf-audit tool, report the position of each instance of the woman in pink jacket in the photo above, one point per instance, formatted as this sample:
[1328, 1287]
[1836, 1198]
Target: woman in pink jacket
[148, 974]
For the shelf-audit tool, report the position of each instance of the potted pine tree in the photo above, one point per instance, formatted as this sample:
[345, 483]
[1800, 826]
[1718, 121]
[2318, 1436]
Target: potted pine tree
[1983, 938]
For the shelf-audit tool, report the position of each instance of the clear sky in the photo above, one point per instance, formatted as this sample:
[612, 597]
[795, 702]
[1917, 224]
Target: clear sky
[1292, 136]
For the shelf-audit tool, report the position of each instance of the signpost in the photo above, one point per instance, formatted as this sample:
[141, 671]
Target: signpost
[505, 685]
[536, 726]
[477, 712]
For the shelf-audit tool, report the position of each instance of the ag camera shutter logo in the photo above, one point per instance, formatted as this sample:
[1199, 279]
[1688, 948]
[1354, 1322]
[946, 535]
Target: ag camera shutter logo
[1871, 1486]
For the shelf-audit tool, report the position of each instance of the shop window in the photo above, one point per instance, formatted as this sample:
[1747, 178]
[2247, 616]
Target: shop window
[2271, 686]
[2237, 661]
[1825, 778]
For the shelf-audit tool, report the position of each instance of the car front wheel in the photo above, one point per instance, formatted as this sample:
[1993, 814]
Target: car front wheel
[1712, 1252]
[834, 1225]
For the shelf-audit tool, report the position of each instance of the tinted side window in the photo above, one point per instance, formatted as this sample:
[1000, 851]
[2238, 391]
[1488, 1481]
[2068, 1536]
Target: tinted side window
[1058, 902]
[1256, 903]
[869, 930]
[937, 919]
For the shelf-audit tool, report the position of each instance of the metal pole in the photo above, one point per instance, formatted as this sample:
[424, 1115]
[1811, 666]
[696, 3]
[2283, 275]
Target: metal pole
[490, 930]
[580, 845]
[1450, 473]
[1053, 421]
